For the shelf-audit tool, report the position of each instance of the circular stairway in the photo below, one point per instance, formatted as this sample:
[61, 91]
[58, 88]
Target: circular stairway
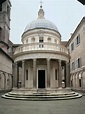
[41, 95]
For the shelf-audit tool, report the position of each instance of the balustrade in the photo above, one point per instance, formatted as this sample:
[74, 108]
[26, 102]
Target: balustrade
[41, 46]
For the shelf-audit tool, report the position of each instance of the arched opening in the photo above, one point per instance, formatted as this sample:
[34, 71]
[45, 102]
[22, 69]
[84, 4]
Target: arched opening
[79, 79]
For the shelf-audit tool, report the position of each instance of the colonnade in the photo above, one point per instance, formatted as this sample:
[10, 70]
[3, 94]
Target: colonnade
[16, 73]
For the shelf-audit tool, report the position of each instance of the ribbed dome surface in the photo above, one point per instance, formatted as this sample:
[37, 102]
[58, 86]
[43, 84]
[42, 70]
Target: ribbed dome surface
[41, 23]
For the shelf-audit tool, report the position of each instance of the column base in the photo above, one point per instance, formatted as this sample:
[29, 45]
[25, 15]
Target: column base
[60, 88]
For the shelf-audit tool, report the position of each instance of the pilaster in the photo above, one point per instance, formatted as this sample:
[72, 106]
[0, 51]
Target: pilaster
[15, 78]
[67, 75]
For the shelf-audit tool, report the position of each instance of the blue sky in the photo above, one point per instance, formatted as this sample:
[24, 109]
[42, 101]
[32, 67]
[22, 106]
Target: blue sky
[65, 14]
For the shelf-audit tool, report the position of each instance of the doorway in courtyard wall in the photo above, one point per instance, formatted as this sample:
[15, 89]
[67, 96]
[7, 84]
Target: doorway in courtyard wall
[41, 78]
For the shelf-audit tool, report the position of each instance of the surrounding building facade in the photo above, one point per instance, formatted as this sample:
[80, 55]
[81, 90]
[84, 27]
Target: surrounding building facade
[5, 71]
[6, 61]
[77, 53]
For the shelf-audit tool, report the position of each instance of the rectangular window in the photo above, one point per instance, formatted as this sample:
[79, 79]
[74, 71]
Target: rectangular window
[72, 46]
[56, 74]
[78, 40]
[73, 65]
[41, 41]
[78, 62]
[26, 74]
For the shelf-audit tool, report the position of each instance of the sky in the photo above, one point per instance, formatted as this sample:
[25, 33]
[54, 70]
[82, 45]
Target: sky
[65, 14]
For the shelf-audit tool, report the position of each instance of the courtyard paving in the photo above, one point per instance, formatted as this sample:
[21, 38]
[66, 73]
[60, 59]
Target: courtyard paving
[74, 106]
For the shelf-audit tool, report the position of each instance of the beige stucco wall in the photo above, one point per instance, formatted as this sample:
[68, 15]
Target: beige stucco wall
[78, 52]
[5, 72]
[5, 63]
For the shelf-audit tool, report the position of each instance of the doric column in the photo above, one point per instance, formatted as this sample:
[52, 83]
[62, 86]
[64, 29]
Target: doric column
[15, 77]
[23, 74]
[34, 74]
[48, 73]
[67, 75]
[60, 75]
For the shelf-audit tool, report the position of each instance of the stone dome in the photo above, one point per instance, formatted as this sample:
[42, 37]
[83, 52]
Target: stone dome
[41, 23]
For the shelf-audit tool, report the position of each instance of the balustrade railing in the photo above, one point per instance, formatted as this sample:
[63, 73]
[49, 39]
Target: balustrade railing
[41, 46]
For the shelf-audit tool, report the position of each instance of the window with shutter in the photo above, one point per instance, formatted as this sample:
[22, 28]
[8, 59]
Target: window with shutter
[78, 40]
[72, 46]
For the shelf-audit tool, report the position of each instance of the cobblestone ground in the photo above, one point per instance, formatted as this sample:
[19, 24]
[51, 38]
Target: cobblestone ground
[74, 106]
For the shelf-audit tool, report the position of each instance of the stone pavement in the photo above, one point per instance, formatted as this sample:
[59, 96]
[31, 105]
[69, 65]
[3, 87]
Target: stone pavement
[73, 106]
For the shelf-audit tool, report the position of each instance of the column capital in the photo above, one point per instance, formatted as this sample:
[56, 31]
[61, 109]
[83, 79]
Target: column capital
[48, 59]
[23, 61]
[34, 59]
[59, 60]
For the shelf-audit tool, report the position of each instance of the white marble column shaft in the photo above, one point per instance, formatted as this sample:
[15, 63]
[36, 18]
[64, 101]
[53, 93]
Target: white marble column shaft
[48, 73]
[60, 74]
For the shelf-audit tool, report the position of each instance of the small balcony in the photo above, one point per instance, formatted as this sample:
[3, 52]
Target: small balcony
[41, 46]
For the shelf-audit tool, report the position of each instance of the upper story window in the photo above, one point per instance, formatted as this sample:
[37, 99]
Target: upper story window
[73, 65]
[40, 39]
[78, 39]
[72, 46]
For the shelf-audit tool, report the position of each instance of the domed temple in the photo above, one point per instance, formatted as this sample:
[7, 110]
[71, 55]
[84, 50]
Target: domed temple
[41, 61]
[41, 67]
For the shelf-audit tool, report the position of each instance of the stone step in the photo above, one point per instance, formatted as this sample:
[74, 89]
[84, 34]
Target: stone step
[42, 99]
[71, 95]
